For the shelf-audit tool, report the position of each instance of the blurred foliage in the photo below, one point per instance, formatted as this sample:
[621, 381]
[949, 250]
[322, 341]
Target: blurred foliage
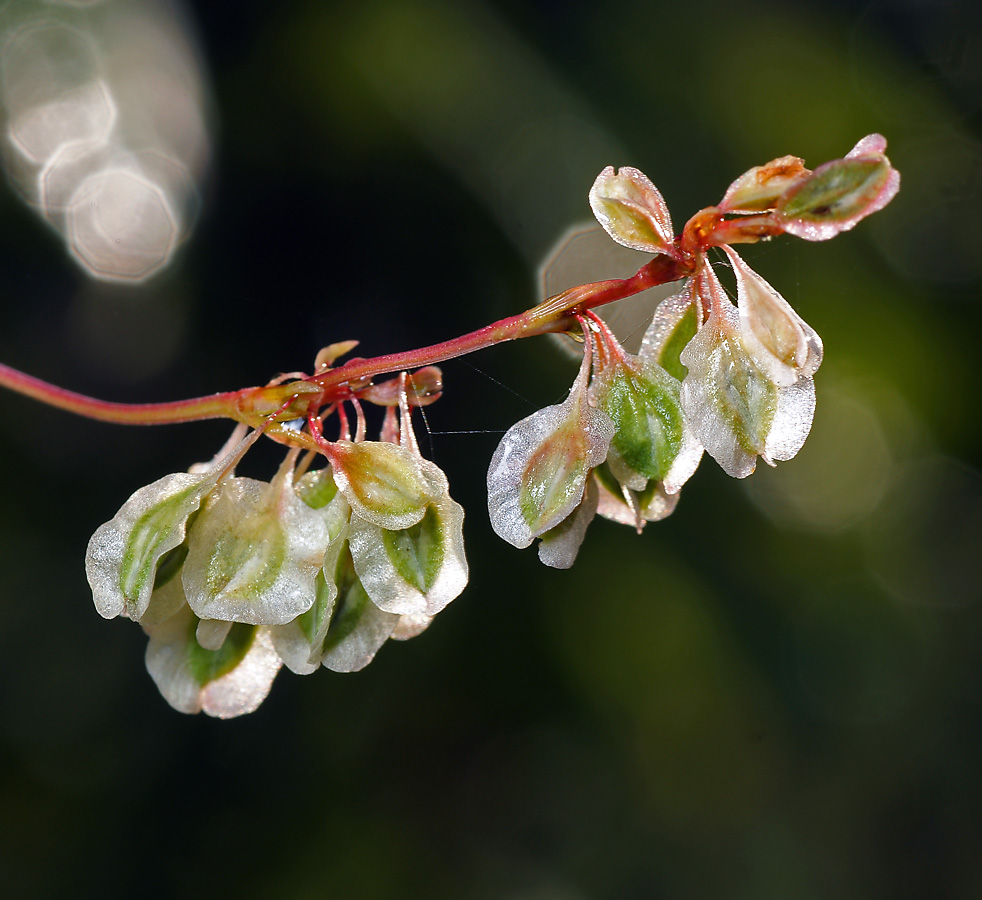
[772, 694]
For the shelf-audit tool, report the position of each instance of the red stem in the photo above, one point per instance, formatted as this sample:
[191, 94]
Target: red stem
[254, 405]
[214, 406]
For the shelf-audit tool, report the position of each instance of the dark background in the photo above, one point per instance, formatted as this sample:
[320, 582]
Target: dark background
[775, 693]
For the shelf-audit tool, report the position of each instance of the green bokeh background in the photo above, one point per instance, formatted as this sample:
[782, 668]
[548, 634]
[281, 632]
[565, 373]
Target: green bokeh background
[775, 693]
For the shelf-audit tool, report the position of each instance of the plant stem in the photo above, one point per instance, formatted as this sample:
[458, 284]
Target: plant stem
[557, 314]
[214, 406]
[253, 405]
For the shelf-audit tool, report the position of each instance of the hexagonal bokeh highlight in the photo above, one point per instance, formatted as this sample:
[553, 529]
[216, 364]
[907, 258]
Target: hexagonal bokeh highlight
[121, 225]
[85, 114]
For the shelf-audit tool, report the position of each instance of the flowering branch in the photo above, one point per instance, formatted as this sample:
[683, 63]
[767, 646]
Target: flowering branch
[233, 577]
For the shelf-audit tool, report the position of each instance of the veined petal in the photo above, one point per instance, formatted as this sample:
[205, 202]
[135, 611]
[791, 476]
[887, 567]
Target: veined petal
[224, 683]
[781, 343]
[385, 483]
[122, 556]
[632, 211]
[735, 410]
[539, 471]
[416, 570]
[254, 553]
[651, 441]
[300, 643]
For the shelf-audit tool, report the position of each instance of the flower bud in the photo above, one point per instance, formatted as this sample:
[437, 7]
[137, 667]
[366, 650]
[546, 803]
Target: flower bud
[759, 189]
[632, 211]
[840, 193]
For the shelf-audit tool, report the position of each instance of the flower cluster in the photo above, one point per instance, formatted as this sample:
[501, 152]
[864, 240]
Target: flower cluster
[733, 380]
[233, 577]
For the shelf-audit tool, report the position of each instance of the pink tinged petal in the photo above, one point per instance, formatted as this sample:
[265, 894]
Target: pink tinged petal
[634, 508]
[632, 211]
[615, 502]
[539, 470]
[385, 483]
[655, 503]
[758, 189]
[559, 546]
[254, 553]
[839, 194]
[225, 683]
[780, 342]
[871, 145]
[414, 571]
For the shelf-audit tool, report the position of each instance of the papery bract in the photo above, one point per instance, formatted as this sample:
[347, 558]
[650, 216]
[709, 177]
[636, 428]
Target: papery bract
[254, 553]
[385, 483]
[632, 211]
[122, 556]
[224, 683]
[735, 410]
[651, 439]
[780, 342]
[416, 570]
[539, 470]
